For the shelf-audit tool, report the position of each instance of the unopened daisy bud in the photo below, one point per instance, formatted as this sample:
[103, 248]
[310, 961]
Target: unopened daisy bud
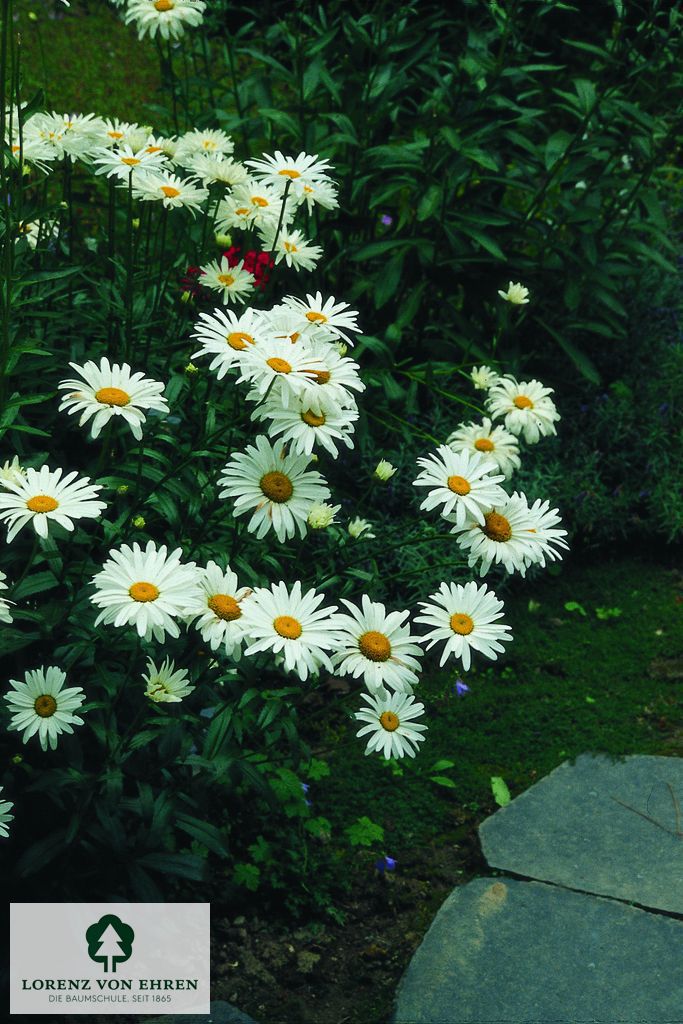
[32, 16]
[384, 470]
[342, 348]
[483, 377]
[138, 522]
[63, 205]
[135, 223]
[517, 294]
[360, 527]
[321, 516]
[186, 296]
[223, 241]
[191, 369]
[17, 759]
[12, 472]
[122, 489]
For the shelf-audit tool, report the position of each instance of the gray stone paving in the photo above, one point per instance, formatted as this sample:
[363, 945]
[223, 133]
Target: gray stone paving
[569, 829]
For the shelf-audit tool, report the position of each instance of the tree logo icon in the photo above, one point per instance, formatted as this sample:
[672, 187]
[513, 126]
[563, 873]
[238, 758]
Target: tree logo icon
[110, 941]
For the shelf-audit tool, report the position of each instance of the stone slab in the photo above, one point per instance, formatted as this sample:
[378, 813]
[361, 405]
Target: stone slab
[506, 952]
[221, 1013]
[569, 829]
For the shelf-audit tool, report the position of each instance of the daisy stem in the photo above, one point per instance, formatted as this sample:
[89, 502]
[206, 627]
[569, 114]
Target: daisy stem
[130, 275]
[282, 215]
[173, 83]
[29, 564]
[235, 90]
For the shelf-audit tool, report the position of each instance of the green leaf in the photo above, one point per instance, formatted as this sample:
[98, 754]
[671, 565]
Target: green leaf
[206, 834]
[247, 875]
[182, 865]
[555, 148]
[364, 832]
[574, 606]
[441, 780]
[501, 794]
[440, 766]
[36, 584]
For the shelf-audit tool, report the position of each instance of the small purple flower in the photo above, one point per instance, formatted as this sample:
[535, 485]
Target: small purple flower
[460, 688]
[387, 219]
[385, 864]
[305, 786]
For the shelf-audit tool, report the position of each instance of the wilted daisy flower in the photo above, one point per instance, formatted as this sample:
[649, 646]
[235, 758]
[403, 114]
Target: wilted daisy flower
[517, 294]
[167, 18]
[149, 589]
[5, 807]
[360, 528]
[494, 443]
[211, 141]
[111, 390]
[464, 616]
[12, 471]
[44, 497]
[226, 336]
[303, 429]
[292, 247]
[219, 608]
[509, 537]
[391, 722]
[40, 705]
[463, 483]
[123, 161]
[322, 515]
[384, 470]
[301, 170]
[335, 317]
[277, 488]
[525, 406]
[5, 614]
[170, 190]
[378, 646]
[280, 369]
[483, 377]
[166, 685]
[234, 283]
[215, 168]
[292, 624]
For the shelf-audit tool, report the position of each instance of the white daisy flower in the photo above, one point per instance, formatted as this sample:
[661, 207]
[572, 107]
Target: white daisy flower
[322, 515]
[361, 528]
[111, 390]
[495, 443]
[391, 722]
[516, 294]
[36, 229]
[283, 322]
[44, 497]
[545, 531]
[167, 18]
[463, 483]
[250, 204]
[170, 190]
[234, 283]
[40, 705]
[206, 141]
[117, 133]
[216, 169]
[525, 407]
[226, 336]
[219, 609]
[509, 536]
[166, 685]
[301, 170]
[335, 317]
[5, 817]
[123, 161]
[280, 369]
[303, 429]
[12, 471]
[291, 247]
[465, 617]
[483, 377]
[384, 470]
[337, 380]
[378, 646]
[277, 488]
[149, 589]
[5, 614]
[294, 625]
[319, 193]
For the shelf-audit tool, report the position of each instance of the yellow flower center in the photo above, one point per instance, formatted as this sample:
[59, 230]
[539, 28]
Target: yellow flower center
[226, 279]
[164, 5]
[242, 210]
[209, 144]
[42, 503]
[522, 402]
[239, 340]
[276, 486]
[375, 646]
[290, 247]
[45, 706]
[458, 485]
[461, 623]
[144, 592]
[497, 527]
[169, 191]
[225, 607]
[319, 376]
[484, 444]
[279, 365]
[130, 161]
[153, 149]
[259, 201]
[289, 174]
[112, 396]
[312, 419]
[316, 318]
[287, 626]
[389, 721]
[115, 135]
